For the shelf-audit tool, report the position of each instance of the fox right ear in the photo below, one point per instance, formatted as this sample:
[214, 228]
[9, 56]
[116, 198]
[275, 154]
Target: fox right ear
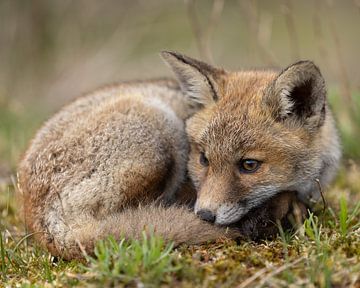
[298, 93]
[197, 79]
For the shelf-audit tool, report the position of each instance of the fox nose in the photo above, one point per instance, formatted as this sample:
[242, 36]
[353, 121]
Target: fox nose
[206, 215]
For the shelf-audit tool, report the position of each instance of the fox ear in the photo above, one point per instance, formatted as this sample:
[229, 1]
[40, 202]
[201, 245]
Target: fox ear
[197, 80]
[299, 93]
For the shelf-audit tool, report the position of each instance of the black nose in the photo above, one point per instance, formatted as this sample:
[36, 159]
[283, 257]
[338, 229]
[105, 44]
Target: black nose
[206, 215]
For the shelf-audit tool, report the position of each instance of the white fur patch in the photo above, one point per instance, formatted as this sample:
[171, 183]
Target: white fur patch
[285, 101]
[261, 195]
[229, 213]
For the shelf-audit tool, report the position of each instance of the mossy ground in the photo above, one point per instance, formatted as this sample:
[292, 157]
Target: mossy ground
[324, 252]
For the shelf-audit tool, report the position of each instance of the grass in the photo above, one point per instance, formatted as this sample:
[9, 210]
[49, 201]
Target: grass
[146, 261]
[17, 124]
[324, 252]
[348, 122]
[317, 255]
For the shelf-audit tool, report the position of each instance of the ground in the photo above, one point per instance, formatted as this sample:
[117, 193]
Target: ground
[324, 252]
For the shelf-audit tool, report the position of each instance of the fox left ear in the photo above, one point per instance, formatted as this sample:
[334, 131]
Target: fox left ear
[197, 79]
[299, 94]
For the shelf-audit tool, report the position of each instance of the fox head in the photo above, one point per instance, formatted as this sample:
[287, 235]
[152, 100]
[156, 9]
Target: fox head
[255, 134]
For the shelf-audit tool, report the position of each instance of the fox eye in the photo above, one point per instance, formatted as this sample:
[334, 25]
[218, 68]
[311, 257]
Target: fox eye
[249, 165]
[203, 160]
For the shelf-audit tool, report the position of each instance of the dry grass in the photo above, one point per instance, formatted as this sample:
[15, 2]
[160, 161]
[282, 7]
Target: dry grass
[53, 51]
[325, 252]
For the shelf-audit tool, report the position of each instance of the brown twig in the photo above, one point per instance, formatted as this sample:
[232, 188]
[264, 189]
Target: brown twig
[357, 4]
[280, 269]
[195, 25]
[251, 279]
[203, 36]
[263, 271]
[262, 28]
[346, 90]
[319, 33]
[322, 194]
[288, 12]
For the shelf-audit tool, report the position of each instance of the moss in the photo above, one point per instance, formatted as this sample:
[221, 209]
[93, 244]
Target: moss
[293, 258]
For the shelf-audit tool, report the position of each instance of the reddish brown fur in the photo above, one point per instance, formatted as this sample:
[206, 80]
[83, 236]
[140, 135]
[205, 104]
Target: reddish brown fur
[102, 165]
[242, 125]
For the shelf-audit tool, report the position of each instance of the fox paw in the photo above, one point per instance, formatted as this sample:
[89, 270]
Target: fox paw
[263, 222]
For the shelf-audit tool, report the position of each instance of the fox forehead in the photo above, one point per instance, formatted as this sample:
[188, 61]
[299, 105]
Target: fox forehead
[238, 131]
[233, 136]
[244, 87]
[240, 107]
[240, 122]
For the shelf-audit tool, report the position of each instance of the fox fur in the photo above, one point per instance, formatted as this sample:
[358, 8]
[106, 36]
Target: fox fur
[118, 160]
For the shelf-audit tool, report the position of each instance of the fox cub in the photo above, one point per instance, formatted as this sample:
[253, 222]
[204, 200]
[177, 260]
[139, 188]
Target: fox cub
[125, 158]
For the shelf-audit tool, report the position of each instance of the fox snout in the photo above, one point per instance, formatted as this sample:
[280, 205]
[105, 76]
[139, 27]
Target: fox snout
[206, 215]
[224, 214]
[219, 201]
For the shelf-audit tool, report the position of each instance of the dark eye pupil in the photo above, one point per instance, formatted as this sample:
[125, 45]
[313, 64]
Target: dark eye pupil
[249, 165]
[203, 160]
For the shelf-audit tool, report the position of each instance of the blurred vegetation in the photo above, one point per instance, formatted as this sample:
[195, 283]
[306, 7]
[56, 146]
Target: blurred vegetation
[53, 51]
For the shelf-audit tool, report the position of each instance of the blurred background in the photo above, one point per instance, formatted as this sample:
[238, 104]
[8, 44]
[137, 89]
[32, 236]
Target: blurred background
[53, 51]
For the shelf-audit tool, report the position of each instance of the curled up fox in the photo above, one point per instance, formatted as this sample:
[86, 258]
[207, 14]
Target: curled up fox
[211, 154]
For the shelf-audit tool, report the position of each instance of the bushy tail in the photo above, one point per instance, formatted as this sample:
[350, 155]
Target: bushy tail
[174, 223]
